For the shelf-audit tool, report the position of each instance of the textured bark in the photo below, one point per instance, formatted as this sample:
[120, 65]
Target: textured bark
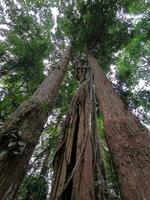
[75, 161]
[127, 138]
[101, 189]
[29, 120]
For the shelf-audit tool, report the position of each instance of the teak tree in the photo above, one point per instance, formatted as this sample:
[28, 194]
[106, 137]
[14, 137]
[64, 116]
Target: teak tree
[105, 31]
[127, 138]
[20, 134]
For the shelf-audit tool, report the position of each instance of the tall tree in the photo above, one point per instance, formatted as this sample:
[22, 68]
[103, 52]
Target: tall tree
[127, 138]
[78, 171]
[20, 134]
[106, 28]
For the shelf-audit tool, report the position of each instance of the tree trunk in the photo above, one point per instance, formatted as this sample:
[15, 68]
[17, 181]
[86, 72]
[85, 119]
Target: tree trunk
[20, 134]
[76, 173]
[127, 138]
[45, 164]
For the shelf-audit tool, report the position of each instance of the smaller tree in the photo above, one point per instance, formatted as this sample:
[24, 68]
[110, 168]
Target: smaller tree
[20, 134]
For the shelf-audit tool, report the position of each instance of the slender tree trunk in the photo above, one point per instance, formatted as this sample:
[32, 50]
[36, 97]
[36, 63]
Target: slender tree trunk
[20, 134]
[45, 166]
[76, 173]
[127, 138]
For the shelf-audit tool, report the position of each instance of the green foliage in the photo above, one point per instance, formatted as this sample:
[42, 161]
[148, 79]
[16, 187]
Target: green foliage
[98, 25]
[95, 25]
[133, 65]
[27, 44]
[135, 55]
[100, 126]
[111, 177]
[66, 93]
[137, 6]
[33, 188]
[2, 49]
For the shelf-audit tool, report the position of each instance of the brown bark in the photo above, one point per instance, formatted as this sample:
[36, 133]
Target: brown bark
[28, 120]
[127, 138]
[75, 162]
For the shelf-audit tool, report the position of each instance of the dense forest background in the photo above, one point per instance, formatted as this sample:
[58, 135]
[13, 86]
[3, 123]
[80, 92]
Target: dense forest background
[34, 34]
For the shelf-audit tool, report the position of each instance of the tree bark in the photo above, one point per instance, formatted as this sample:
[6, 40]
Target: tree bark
[76, 173]
[127, 138]
[20, 134]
